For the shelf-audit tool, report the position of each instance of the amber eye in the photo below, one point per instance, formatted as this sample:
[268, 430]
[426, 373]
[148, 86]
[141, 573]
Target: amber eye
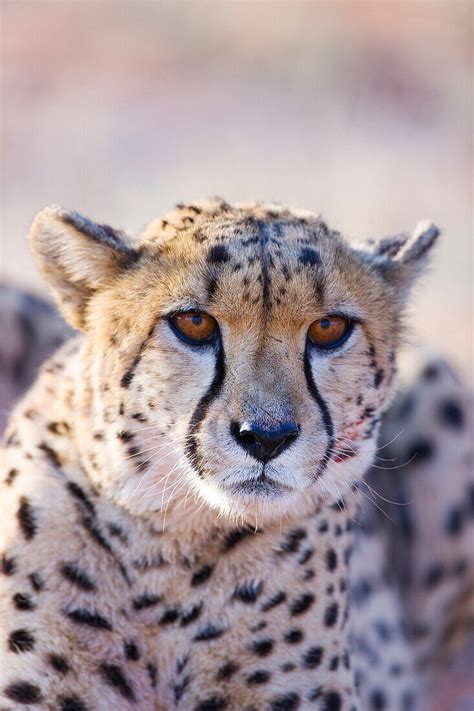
[194, 326]
[330, 331]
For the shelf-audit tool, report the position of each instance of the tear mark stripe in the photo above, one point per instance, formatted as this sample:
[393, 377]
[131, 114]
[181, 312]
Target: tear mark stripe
[199, 414]
[327, 419]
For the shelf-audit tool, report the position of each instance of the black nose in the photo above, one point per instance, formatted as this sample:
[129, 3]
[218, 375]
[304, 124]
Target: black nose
[264, 443]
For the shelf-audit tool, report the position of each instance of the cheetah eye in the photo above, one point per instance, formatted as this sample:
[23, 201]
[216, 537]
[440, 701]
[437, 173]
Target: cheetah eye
[330, 331]
[194, 327]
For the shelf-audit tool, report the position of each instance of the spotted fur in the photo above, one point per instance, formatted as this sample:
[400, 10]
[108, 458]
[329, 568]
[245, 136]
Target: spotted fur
[149, 562]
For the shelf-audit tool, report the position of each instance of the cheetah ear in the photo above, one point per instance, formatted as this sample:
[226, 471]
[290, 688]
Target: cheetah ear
[77, 257]
[403, 258]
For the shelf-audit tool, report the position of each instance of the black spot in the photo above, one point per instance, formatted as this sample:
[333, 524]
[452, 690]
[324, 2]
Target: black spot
[59, 663]
[139, 416]
[312, 657]
[331, 560]
[11, 476]
[383, 629]
[227, 671]
[181, 664]
[78, 493]
[451, 414]
[207, 633]
[235, 537]
[273, 601]
[141, 602]
[77, 576]
[131, 650]
[420, 451]
[169, 616]
[218, 254]
[378, 377]
[124, 436]
[211, 286]
[332, 701]
[301, 604]
[23, 601]
[36, 581]
[331, 614]
[71, 703]
[96, 534]
[305, 556]
[288, 667]
[215, 703]
[8, 565]
[368, 413]
[249, 592]
[315, 693]
[454, 521]
[21, 641]
[200, 576]
[117, 531]
[189, 616]
[262, 647]
[334, 664]
[433, 576]
[51, 454]
[83, 616]
[293, 636]
[292, 541]
[59, 428]
[378, 701]
[396, 669]
[261, 676]
[323, 527]
[309, 256]
[23, 692]
[286, 702]
[26, 519]
[114, 677]
[152, 674]
[180, 688]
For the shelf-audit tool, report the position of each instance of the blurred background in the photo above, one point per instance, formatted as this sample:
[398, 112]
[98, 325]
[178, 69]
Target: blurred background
[359, 110]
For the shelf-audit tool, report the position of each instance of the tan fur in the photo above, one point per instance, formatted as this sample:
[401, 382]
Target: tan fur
[106, 480]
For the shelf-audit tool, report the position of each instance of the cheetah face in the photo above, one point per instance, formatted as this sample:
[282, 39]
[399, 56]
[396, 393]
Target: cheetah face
[239, 356]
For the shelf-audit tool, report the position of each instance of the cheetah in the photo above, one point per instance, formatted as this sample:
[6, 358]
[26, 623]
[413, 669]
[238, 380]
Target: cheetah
[184, 523]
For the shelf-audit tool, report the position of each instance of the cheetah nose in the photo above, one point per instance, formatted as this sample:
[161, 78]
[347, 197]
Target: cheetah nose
[264, 443]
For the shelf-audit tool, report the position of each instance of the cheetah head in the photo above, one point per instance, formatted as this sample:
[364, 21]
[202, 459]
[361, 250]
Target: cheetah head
[234, 355]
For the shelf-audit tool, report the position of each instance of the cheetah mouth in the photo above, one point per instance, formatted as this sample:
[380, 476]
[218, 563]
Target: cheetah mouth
[261, 486]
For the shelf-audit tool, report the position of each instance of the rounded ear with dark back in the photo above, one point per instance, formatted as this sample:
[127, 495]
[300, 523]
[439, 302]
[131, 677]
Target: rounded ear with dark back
[401, 259]
[77, 258]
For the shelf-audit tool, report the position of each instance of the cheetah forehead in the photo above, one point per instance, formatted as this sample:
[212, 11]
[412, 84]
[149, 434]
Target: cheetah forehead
[216, 220]
[258, 253]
